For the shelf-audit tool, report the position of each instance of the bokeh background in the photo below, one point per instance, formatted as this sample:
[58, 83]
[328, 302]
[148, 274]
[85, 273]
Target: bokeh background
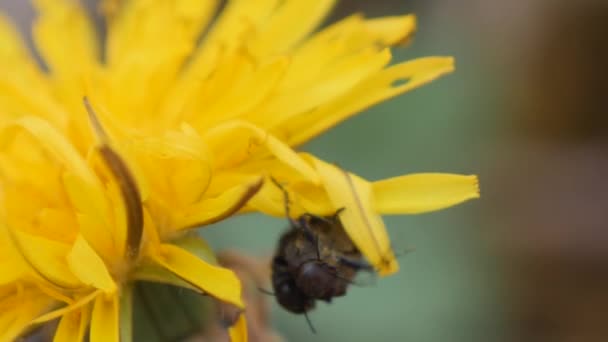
[526, 110]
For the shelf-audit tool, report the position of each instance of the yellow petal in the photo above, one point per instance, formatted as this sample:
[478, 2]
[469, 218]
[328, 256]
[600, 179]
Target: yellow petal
[89, 267]
[228, 28]
[218, 282]
[21, 78]
[218, 208]
[13, 52]
[92, 214]
[301, 98]
[289, 23]
[151, 272]
[17, 309]
[419, 193]
[235, 77]
[104, 319]
[47, 258]
[177, 164]
[235, 141]
[62, 21]
[72, 326]
[78, 304]
[56, 143]
[11, 264]
[196, 245]
[12, 269]
[383, 85]
[60, 225]
[148, 42]
[155, 23]
[341, 43]
[238, 332]
[392, 30]
[304, 196]
[83, 188]
[361, 222]
[57, 294]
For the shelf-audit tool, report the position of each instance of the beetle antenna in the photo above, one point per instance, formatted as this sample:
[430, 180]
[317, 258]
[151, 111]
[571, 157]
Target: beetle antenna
[312, 328]
[356, 264]
[292, 222]
[266, 292]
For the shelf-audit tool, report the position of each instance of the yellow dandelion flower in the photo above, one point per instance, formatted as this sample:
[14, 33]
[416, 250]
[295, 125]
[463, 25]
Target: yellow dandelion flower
[181, 131]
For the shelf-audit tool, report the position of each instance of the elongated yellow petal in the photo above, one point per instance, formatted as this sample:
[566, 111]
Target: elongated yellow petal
[178, 165]
[218, 282]
[419, 193]
[72, 326]
[341, 43]
[104, 319]
[56, 143]
[81, 185]
[13, 52]
[379, 87]
[361, 222]
[238, 332]
[228, 29]
[18, 306]
[295, 99]
[21, 77]
[148, 24]
[392, 30]
[78, 304]
[66, 19]
[290, 23]
[233, 142]
[237, 87]
[89, 267]
[11, 264]
[218, 208]
[151, 272]
[91, 214]
[12, 269]
[148, 42]
[47, 258]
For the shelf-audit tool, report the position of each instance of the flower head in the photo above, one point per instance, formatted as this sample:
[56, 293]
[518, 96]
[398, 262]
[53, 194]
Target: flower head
[178, 134]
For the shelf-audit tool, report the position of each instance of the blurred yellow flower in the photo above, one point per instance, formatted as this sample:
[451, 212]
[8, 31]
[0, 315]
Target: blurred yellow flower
[181, 134]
